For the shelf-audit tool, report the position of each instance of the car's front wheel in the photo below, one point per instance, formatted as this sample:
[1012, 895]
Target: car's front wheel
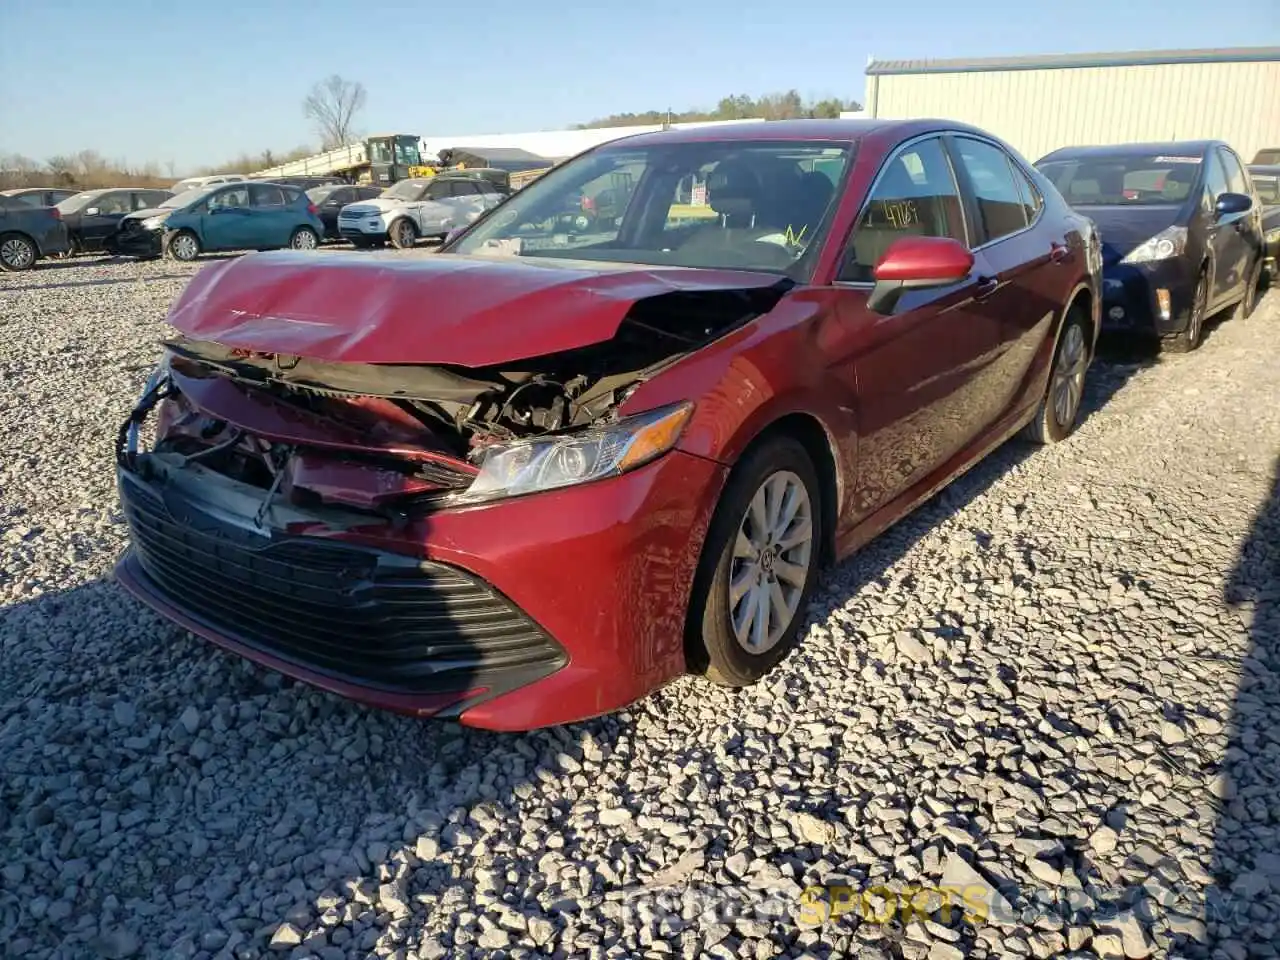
[758, 566]
[403, 234]
[1190, 336]
[183, 245]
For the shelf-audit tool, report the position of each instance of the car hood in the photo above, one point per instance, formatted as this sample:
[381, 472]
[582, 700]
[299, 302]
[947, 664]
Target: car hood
[472, 311]
[1125, 227]
[153, 212]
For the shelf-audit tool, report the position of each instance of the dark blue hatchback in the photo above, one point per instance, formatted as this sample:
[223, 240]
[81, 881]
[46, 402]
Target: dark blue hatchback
[1181, 232]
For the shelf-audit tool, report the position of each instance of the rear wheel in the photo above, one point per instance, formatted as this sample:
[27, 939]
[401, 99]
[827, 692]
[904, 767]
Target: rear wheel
[1189, 338]
[403, 234]
[183, 245]
[1253, 288]
[1059, 409]
[17, 252]
[758, 565]
[304, 238]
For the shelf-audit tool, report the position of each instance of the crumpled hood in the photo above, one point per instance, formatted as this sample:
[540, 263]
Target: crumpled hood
[144, 214]
[473, 311]
[1125, 227]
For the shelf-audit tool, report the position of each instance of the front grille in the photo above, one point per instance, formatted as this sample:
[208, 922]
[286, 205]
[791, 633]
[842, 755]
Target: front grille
[380, 619]
[357, 214]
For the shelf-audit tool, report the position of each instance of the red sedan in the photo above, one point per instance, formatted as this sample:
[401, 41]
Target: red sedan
[533, 477]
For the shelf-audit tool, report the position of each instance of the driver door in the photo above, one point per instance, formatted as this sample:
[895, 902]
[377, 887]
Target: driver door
[920, 373]
[227, 224]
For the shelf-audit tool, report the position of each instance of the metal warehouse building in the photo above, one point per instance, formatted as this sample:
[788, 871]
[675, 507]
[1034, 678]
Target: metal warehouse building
[1041, 103]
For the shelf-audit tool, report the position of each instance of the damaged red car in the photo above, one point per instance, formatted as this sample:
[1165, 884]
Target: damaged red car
[534, 476]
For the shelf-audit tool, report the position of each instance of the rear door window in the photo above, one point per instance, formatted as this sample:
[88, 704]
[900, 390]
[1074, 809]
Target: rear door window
[995, 191]
[266, 195]
[915, 196]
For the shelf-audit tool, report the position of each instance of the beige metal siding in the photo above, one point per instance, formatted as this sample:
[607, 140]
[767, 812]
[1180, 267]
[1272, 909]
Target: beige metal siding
[1040, 110]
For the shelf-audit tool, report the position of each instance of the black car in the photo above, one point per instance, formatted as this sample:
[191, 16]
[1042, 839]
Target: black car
[1181, 232]
[330, 199]
[28, 233]
[94, 215]
[1266, 183]
[38, 196]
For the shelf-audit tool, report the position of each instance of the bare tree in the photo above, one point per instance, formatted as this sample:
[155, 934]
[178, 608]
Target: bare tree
[332, 106]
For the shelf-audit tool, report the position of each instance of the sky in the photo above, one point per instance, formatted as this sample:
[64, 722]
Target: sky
[192, 84]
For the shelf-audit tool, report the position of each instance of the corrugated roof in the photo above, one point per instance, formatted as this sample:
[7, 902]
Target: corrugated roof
[1066, 61]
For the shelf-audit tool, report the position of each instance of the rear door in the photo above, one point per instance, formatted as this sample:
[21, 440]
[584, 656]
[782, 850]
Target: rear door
[109, 209]
[1022, 282]
[272, 222]
[333, 203]
[922, 374]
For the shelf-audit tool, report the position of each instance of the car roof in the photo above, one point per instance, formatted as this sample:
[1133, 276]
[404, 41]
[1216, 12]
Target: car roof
[1171, 148]
[1266, 169]
[842, 131]
[18, 191]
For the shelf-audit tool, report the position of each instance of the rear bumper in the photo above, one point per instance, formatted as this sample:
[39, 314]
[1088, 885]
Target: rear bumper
[1131, 300]
[524, 613]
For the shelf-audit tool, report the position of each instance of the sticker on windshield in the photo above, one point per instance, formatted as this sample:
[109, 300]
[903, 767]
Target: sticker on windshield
[1177, 160]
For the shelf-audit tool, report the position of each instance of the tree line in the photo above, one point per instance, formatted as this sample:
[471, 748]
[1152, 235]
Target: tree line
[332, 107]
[788, 105]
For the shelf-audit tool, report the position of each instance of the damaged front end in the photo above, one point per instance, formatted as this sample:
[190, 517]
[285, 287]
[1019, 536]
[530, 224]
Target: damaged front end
[397, 438]
[283, 505]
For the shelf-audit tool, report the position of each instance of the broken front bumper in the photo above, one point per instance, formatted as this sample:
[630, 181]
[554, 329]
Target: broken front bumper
[405, 633]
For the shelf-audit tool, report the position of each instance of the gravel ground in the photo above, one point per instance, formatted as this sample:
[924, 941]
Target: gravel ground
[1057, 680]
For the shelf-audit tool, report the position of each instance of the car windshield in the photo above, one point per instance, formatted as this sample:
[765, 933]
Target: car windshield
[1267, 157]
[747, 205]
[405, 190]
[78, 201]
[186, 197]
[1268, 189]
[1124, 179]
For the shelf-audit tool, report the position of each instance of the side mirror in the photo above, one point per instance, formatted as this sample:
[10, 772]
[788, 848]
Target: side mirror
[1230, 204]
[92, 212]
[917, 263]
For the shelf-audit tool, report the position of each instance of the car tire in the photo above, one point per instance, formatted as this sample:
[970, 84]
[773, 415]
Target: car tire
[182, 245]
[1059, 409]
[1189, 338]
[17, 252]
[403, 234]
[1253, 287]
[304, 238]
[730, 640]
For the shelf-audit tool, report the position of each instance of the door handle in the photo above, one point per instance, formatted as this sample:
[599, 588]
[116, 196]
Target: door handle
[1059, 252]
[985, 287]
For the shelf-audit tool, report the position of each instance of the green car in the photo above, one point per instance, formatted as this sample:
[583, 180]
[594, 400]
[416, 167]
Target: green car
[245, 215]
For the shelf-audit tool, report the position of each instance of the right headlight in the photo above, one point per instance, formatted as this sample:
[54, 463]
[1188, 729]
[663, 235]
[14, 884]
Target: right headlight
[1169, 242]
[548, 463]
[155, 223]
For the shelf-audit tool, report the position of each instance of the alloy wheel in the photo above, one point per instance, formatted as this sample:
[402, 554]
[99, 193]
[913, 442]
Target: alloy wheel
[1195, 325]
[17, 253]
[184, 247]
[1068, 375]
[304, 240]
[771, 558]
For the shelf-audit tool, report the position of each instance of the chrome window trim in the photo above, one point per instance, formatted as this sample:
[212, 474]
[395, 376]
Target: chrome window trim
[1015, 166]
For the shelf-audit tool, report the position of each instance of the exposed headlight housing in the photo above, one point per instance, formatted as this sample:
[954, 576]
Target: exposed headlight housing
[1168, 243]
[155, 223]
[568, 459]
